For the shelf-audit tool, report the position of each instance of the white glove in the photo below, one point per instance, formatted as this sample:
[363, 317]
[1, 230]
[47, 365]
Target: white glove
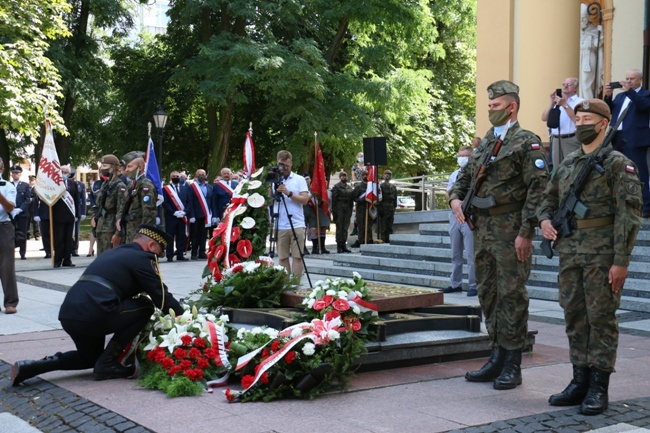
[179, 214]
[214, 221]
[192, 220]
[157, 221]
[76, 219]
[16, 211]
[83, 217]
[37, 219]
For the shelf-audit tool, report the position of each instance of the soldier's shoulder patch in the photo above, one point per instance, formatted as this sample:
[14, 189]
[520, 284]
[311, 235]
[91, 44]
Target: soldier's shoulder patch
[630, 168]
[632, 187]
[146, 199]
[145, 190]
[540, 163]
[535, 146]
[122, 189]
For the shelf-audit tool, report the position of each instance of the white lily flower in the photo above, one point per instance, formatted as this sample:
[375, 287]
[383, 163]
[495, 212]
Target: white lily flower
[343, 294]
[223, 318]
[172, 339]
[153, 342]
[356, 275]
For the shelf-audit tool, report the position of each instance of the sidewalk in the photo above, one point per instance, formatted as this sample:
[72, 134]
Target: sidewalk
[428, 398]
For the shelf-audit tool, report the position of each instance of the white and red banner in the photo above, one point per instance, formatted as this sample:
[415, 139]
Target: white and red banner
[50, 185]
[371, 189]
[249, 154]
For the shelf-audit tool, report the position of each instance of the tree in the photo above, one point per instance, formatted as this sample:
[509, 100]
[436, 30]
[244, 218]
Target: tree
[29, 81]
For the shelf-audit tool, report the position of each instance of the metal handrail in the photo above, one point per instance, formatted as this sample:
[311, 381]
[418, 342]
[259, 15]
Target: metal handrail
[428, 186]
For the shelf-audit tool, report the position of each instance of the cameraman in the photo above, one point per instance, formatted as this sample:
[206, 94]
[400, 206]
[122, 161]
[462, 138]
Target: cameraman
[295, 194]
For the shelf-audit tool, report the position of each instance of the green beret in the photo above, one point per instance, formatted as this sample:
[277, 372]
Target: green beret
[502, 87]
[594, 106]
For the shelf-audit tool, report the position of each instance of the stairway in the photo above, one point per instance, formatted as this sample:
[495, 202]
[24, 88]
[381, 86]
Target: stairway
[424, 260]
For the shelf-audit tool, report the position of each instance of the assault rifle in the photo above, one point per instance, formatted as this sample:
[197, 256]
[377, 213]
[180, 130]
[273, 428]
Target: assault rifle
[563, 221]
[477, 181]
[127, 207]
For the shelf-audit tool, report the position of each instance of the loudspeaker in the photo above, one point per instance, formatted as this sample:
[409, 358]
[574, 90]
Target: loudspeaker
[374, 151]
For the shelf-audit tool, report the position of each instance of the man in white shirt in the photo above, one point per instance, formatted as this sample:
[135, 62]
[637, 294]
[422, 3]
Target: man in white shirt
[295, 194]
[563, 138]
[7, 247]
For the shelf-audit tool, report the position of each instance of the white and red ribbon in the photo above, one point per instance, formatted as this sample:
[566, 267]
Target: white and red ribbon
[203, 203]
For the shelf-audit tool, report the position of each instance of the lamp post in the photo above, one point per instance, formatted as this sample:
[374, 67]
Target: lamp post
[160, 119]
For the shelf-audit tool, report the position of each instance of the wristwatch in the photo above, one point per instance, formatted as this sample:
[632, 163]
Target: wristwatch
[290, 194]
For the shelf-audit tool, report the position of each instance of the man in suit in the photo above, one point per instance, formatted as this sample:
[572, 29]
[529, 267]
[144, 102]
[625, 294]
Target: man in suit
[21, 211]
[222, 192]
[81, 188]
[65, 213]
[204, 213]
[178, 210]
[42, 217]
[36, 230]
[633, 135]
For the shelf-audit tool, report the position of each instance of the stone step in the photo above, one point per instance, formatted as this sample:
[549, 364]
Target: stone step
[629, 300]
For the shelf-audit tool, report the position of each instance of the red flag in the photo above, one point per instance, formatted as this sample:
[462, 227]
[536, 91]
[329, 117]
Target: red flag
[318, 182]
[371, 188]
[249, 154]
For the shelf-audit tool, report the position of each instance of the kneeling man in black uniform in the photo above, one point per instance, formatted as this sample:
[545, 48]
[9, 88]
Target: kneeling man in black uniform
[116, 295]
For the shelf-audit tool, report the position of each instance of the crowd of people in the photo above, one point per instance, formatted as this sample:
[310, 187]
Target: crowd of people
[503, 190]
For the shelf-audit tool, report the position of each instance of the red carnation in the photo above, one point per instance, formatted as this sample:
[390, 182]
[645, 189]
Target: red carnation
[180, 353]
[264, 378]
[167, 363]
[236, 268]
[289, 357]
[186, 339]
[185, 364]
[175, 369]
[211, 353]
[265, 352]
[194, 353]
[275, 345]
[244, 248]
[247, 381]
[202, 363]
[230, 394]
[341, 304]
[199, 343]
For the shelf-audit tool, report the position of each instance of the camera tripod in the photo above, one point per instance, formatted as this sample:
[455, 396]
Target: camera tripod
[278, 199]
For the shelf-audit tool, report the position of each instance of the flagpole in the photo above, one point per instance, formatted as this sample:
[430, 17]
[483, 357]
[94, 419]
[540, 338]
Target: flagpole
[316, 200]
[51, 237]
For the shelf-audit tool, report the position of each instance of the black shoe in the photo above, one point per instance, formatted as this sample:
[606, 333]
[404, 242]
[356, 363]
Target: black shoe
[69, 265]
[47, 256]
[108, 365]
[472, 292]
[510, 377]
[181, 259]
[23, 258]
[75, 255]
[452, 289]
[305, 252]
[575, 393]
[355, 232]
[202, 257]
[355, 245]
[23, 370]
[170, 259]
[194, 258]
[491, 369]
[597, 400]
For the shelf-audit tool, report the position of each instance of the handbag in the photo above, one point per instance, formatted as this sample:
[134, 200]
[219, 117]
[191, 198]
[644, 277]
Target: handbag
[553, 120]
[19, 237]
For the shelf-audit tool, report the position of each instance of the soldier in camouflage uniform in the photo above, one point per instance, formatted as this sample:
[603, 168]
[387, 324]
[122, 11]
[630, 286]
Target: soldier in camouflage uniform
[386, 207]
[505, 221]
[594, 259]
[359, 196]
[107, 202]
[342, 204]
[139, 206]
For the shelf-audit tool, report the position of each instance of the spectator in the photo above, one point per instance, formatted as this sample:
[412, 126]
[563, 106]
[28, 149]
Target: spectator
[563, 137]
[21, 211]
[7, 244]
[204, 213]
[222, 191]
[358, 168]
[178, 211]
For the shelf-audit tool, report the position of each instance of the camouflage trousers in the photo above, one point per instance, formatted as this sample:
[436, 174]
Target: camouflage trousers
[589, 309]
[502, 292]
[131, 230]
[385, 226]
[104, 241]
[342, 224]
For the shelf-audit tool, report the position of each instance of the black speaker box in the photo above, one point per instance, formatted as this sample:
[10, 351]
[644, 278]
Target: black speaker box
[374, 151]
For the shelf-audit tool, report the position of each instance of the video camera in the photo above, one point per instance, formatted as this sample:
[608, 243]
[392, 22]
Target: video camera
[275, 174]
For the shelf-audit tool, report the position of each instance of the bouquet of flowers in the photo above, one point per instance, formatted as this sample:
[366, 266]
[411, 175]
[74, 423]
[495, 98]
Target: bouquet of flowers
[309, 358]
[185, 354]
[250, 284]
[241, 235]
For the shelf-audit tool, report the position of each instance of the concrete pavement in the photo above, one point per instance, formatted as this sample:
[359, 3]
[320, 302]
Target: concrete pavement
[428, 398]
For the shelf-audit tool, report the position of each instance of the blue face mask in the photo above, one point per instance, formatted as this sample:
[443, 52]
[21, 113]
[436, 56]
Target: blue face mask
[181, 180]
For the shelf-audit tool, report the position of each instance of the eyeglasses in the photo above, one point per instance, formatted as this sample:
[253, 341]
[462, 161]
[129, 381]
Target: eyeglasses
[568, 85]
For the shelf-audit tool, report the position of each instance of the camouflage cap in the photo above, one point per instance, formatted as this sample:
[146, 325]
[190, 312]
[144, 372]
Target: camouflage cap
[594, 106]
[131, 156]
[502, 87]
[110, 159]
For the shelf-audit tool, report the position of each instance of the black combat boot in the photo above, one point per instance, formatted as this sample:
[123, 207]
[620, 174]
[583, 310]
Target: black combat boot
[108, 365]
[510, 377]
[322, 246]
[596, 400]
[314, 249]
[23, 370]
[344, 248]
[491, 369]
[339, 249]
[575, 392]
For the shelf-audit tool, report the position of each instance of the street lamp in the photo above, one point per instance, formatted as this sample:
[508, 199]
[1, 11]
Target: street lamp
[160, 119]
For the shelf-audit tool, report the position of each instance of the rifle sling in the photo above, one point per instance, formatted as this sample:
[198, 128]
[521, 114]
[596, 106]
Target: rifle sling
[498, 210]
[593, 223]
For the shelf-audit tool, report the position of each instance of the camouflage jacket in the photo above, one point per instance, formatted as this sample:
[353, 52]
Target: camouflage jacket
[143, 204]
[615, 193]
[388, 201]
[342, 198]
[107, 204]
[518, 174]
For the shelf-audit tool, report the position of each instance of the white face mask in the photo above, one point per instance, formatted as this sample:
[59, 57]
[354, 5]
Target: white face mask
[360, 159]
[462, 161]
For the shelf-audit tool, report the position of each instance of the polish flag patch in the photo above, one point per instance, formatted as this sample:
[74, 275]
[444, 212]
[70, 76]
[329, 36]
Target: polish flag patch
[629, 169]
[534, 146]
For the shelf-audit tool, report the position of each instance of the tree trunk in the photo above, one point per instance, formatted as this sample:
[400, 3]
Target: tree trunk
[337, 43]
[221, 141]
[4, 149]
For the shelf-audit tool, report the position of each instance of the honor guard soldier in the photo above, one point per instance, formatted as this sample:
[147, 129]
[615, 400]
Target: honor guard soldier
[509, 173]
[386, 207]
[104, 302]
[107, 202]
[342, 205]
[595, 255]
[139, 206]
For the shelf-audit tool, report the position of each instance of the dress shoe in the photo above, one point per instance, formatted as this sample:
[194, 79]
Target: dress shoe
[10, 310]
[23, 258]
[451, 289]
[170, 259]
[69, 265]
[472, 292]
[194, 258]
[202, 257]
[181, 259]
[75, 255]
[90, 254]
